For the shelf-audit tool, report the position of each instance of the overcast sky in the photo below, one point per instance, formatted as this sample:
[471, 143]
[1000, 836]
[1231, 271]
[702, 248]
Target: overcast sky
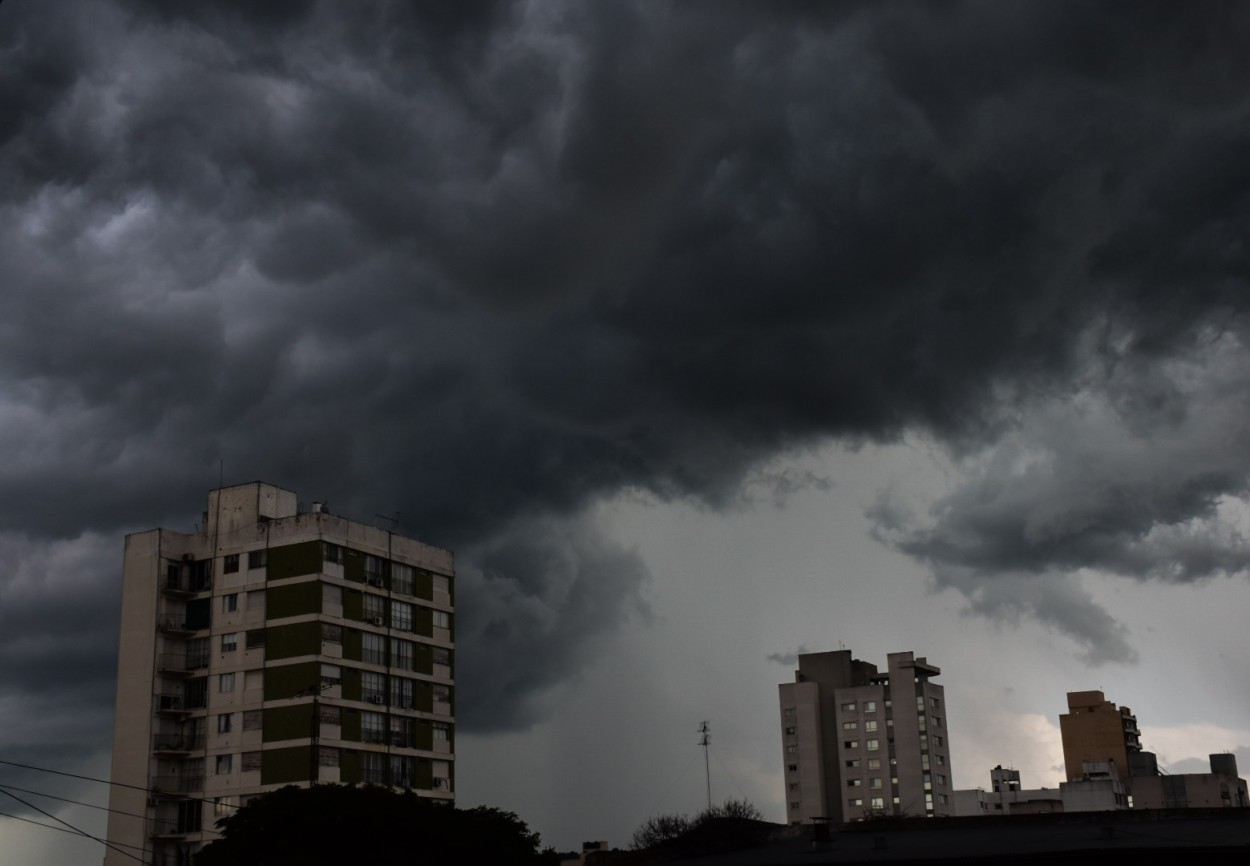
[704, 333]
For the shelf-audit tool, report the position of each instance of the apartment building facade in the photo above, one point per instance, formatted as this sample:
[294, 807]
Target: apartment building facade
[272, 647]
[1094, 730]
[857, 742]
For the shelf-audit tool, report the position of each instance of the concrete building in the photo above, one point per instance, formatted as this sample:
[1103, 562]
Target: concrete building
[1006, 797]
[857, 742]
[1095, 731]
[274, 647]
[1217, 789]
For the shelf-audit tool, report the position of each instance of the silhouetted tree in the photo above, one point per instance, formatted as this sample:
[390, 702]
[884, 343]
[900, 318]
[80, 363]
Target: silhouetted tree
[335, 824]
[730, 826]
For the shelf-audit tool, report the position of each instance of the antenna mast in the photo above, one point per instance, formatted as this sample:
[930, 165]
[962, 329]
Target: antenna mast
[706, 731]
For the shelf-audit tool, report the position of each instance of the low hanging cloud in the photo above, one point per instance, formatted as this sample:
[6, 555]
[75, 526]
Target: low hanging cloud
[482, 265]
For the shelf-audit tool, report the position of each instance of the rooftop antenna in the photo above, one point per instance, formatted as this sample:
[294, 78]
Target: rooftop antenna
[706, 737]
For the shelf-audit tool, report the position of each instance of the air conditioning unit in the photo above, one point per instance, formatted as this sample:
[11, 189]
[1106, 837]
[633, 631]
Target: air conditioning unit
[374, 620]
[375, 699]
[438, 783]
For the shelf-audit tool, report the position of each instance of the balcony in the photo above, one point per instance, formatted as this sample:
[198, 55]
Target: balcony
[180, 664]
[172, 785]
[171, 704]
[174, 625]
[176, 744]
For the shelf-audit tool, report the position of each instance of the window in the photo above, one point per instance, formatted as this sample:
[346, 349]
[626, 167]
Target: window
[225, 683]
[403, 771]
[441, 656]
[441, 694]
[870, 725]
[794, 806]
[230, 603]
[792, 749]
[870, 706]
[257, 559]
[251, 762]
[924, 761]
[372, 687]
[872, 745]
[229, 642]
[794, 786]
[874, 763]
[934, 702]
[941, 760]
[330, 714]
[793, 768]
[401, 615]
[373, 648]
[854, 783]
[874, 783]
[850, 744]
[937, 741]
[197, 693]
[230, 564]
[225, 723]
[941, 780]
[853, 763]
[373, 768]
[877, 802]
[372, 727]
[942, 799]
[255, 638]
[253, 720]
[331, 553]
[402, 654]
[442, 619]
[850, 726]
[197, 653]
[374, 609]
[331, 633]
[790, 730]
[403, 732]
[401, 693]
[401, 578]
[374, 570]
[937, 721]
[848, 707]
[327, 757]
[855, 802]
[788, 712]
[223, 806]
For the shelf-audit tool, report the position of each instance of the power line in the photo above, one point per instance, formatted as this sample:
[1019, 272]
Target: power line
[115, 784]
[73, 828]
[63, 830]
[5, 787]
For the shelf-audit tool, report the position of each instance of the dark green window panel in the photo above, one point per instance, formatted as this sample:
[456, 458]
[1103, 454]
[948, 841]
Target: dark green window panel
[424, 779]
[287, 723]
[423, 621]
[425, 736]
[353, 604]
[423, 659]
[349, 767]
[352, 644]
[350, 728]
[296, 639]
[278, 766]
[424, 585]
[351, 684]
[295, 599]
[353, 565]
[294, 560]
[285, 681]
[423, 697]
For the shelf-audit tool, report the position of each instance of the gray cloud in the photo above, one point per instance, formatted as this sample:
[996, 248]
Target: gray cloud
[483, 266]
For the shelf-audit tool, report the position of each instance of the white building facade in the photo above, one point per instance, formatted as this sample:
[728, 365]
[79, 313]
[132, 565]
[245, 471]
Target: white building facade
[274, 647]
[858, 743]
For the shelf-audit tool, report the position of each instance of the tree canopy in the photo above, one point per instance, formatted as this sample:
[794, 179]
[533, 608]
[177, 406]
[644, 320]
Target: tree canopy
[339, 824]
[733, 825]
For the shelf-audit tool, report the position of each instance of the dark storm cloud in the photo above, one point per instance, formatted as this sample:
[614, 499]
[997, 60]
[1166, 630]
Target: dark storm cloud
[482, 264]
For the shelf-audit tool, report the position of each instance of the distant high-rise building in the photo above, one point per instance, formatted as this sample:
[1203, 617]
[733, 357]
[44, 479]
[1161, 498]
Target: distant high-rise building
[857, 742]
[1094, 730]
[274, 647]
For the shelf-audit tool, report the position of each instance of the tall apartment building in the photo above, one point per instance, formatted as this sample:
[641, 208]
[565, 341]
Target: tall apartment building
[1095, 731]
[274, 647]
[857, 742]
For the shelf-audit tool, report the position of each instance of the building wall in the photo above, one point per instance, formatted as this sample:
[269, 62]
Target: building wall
[857, 742]
[223, 629]
[1094, 730]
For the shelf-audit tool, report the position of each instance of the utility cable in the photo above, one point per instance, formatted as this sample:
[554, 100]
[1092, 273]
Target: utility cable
[116, 784]
[63, 830]
[4, 787]
[73, 828]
